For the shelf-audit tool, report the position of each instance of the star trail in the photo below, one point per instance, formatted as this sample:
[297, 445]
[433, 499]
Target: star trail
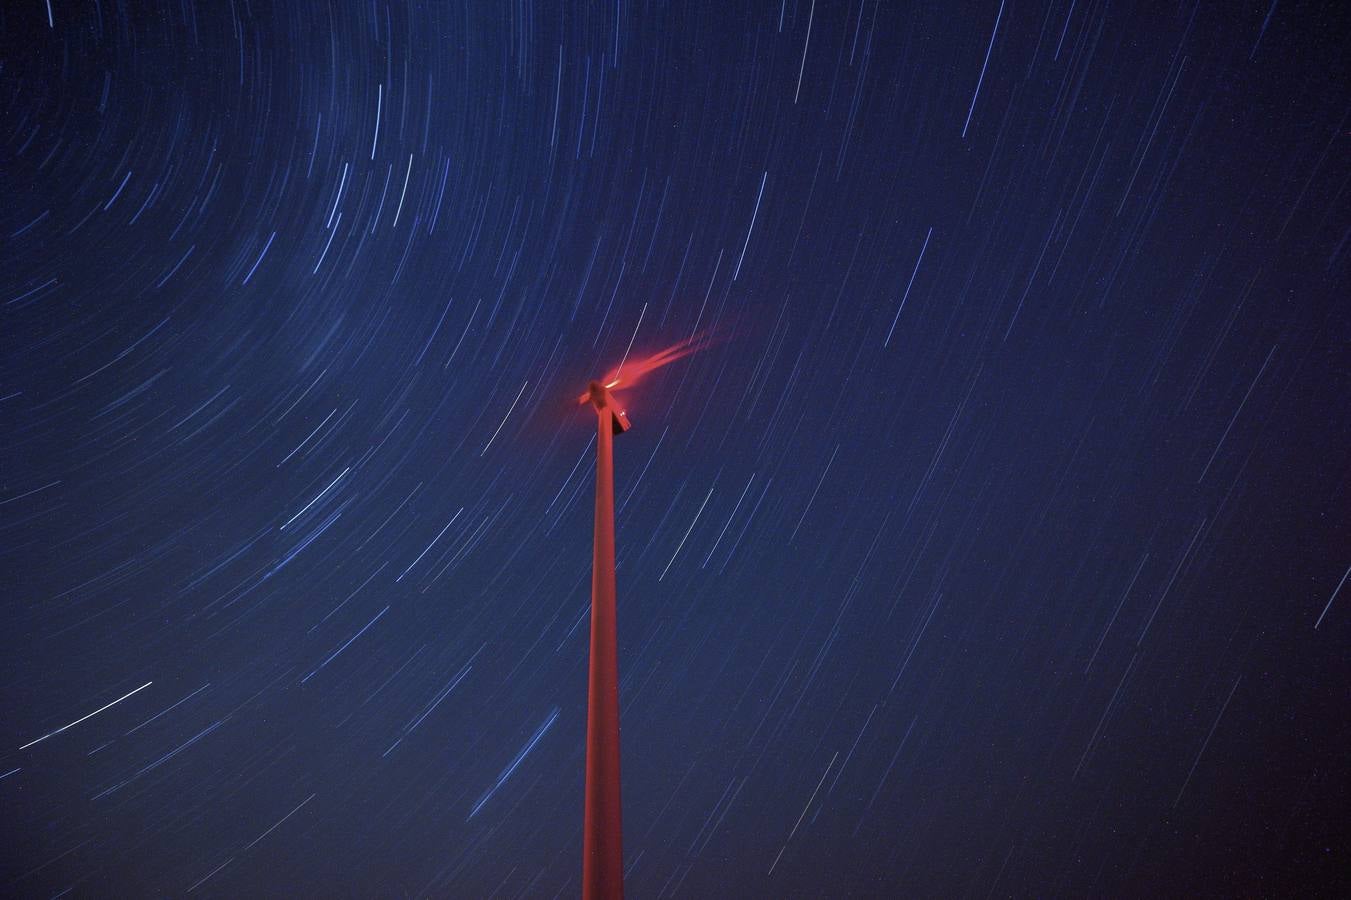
[994, 542]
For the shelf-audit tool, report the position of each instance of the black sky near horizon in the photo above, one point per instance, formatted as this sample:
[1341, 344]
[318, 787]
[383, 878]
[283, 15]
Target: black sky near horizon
[996, 545]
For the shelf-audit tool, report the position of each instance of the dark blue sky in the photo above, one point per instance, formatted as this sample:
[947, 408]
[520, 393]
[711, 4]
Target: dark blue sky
[996, 545]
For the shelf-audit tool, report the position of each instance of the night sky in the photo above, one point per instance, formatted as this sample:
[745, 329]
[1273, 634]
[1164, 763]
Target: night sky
[995, 542]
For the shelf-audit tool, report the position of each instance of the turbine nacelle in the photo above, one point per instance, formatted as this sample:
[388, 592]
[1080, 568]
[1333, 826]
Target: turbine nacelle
[600, 397]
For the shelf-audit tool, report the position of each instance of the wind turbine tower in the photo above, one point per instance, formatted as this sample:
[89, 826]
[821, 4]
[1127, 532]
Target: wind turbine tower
[602, 843]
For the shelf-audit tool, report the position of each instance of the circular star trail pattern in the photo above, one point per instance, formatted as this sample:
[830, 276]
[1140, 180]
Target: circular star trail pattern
[995, 543]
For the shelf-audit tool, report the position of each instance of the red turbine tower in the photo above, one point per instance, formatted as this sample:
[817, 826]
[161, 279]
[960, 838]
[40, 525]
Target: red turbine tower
[602, 842]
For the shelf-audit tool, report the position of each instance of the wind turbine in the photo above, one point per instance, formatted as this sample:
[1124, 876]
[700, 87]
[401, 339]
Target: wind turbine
[602, 841]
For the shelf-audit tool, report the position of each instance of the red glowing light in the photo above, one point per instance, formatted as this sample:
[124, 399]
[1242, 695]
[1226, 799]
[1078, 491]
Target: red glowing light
[629, 372]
